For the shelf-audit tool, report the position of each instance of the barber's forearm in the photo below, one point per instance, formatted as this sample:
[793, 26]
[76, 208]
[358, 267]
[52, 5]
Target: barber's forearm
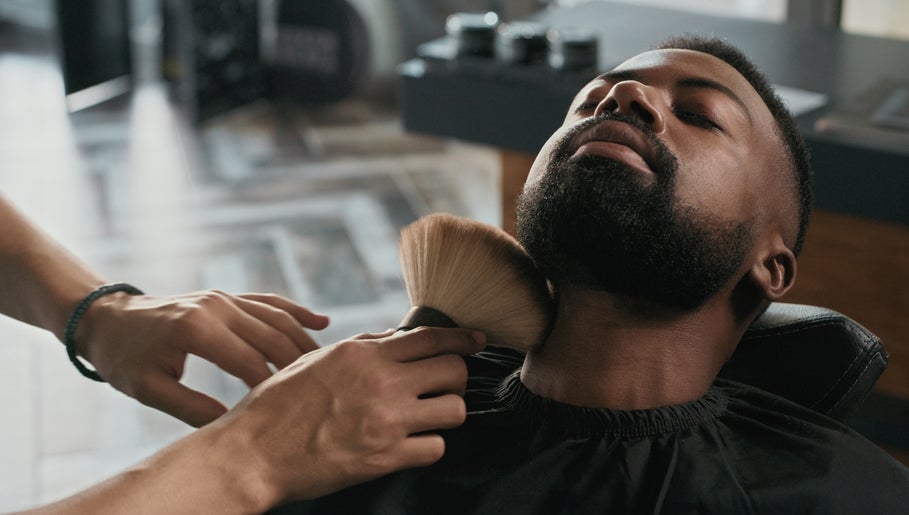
[205, 472]
[40, 281]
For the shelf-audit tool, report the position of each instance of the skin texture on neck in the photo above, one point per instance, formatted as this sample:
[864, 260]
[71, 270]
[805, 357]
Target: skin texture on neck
[611, 351]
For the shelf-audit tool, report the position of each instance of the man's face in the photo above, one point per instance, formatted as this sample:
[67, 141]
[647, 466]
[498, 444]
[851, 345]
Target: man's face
[656, 183]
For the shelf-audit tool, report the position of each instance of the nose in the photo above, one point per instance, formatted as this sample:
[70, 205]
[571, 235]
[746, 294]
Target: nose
[632, 98]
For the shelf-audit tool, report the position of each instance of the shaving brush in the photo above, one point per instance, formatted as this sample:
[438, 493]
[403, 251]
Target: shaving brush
[464, 273]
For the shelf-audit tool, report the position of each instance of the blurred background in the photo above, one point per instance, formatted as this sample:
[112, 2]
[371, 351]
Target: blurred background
[244, 145]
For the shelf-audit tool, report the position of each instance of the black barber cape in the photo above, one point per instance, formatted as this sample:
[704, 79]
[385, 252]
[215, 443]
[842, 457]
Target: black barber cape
[736, 450]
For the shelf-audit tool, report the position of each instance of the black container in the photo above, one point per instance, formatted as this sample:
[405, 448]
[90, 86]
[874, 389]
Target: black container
[573, 49]
[522, 43]
[474, 33]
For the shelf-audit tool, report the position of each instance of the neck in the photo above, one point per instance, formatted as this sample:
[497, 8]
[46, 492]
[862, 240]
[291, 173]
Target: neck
[608, 351]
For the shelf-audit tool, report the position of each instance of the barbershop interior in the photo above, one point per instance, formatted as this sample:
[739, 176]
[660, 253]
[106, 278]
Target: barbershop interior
[280, 147]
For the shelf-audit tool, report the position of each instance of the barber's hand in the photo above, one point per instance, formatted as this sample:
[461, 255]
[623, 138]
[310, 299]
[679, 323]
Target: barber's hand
[139, 344]
[351, 412]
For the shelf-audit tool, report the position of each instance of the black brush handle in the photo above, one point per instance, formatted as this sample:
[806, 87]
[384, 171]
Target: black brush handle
[425, 316]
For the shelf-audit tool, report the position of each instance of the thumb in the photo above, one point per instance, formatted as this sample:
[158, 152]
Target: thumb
[176, 399]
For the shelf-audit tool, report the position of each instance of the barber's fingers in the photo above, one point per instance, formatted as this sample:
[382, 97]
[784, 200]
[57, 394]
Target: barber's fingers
[434, 413]
[374, 336]
[275, 345]
[417, 451]
[426, 342]
[166, 394]
[437, 375]
[232, 354]
[263, 328]
[275, 312]
[439, 383]
[307, 318]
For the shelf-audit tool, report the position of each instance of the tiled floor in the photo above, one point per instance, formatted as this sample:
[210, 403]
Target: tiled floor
[303, 203]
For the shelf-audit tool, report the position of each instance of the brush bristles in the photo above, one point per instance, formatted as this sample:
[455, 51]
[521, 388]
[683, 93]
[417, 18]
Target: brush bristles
[479, 276]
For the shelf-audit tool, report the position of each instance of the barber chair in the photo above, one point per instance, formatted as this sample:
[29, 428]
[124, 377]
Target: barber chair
[814, 356]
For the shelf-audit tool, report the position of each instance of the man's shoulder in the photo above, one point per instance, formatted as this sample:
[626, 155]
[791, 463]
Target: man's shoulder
[775, 430]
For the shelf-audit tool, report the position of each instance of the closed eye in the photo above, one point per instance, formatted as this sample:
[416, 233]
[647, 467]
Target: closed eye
[696, 118]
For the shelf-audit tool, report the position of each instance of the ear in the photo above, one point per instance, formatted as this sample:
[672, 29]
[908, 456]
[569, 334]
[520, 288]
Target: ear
[773, 273]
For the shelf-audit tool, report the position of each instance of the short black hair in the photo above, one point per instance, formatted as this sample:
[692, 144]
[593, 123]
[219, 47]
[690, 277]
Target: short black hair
[797, 151]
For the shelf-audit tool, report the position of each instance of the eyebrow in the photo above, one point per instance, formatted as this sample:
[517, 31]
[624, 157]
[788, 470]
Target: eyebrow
[687, 82]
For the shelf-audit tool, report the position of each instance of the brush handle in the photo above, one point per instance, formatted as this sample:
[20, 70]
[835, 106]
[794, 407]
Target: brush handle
[425, 316]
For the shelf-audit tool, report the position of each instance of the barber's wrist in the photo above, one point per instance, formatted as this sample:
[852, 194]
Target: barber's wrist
[240, 465]
[200, 472]
[91, 322]
[74, 323]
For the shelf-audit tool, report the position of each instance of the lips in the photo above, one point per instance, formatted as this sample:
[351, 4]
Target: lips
[616, 140]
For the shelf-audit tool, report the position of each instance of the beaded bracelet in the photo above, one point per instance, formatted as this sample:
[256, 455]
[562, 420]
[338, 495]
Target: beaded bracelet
[69, 335]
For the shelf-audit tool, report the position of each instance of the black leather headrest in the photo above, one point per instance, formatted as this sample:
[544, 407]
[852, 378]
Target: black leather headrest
[814, 356]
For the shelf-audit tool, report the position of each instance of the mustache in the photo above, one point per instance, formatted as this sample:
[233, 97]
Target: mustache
[666, 162]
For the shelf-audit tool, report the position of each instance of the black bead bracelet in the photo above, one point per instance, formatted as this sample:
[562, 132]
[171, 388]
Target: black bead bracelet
[69, 335]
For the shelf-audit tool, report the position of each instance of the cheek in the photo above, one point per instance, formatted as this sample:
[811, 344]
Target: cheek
[544, 157]
[717, 181]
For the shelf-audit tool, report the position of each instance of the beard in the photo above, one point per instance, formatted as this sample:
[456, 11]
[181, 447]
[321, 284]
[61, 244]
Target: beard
[598, 224]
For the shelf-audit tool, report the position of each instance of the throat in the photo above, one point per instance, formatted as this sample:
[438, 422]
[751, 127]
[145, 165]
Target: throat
[606, 358]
